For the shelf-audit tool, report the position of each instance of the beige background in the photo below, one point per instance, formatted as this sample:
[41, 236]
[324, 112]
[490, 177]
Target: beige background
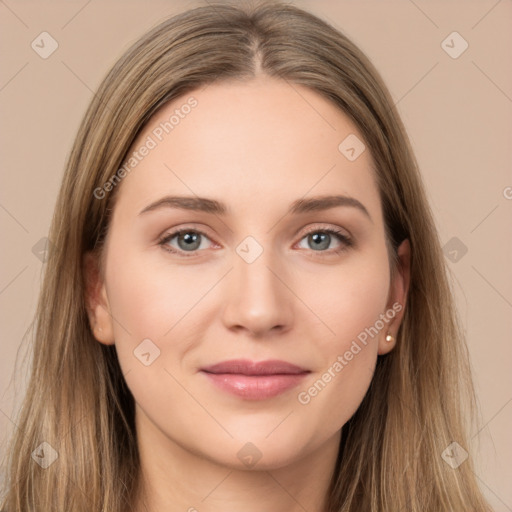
[458, 113]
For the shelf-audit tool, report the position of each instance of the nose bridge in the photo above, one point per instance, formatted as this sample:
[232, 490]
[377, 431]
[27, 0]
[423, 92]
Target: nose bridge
[258, 299]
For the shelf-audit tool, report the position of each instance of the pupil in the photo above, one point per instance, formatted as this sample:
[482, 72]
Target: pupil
[319, 238]
[190, 239]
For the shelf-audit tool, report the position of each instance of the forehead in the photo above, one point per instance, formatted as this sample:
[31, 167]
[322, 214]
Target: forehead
[241, 140]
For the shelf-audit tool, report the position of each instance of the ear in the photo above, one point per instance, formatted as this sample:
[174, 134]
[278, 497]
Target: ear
[96, 300]
[399, 288]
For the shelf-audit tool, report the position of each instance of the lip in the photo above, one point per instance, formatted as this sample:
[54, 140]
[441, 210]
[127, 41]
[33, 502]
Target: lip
[255, 380]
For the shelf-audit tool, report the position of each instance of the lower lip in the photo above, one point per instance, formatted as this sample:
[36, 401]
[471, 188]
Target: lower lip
[255, 387]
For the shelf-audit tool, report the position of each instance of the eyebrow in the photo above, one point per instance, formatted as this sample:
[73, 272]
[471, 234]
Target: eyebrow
[203, 204]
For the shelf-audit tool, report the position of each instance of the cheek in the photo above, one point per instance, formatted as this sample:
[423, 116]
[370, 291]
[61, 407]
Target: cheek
[355, 310]
[151, 299]
[330, 398]
[150, 296]
[351, 297]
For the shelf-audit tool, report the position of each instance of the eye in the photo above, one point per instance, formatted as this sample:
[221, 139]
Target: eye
[188, 240]
[320, 239]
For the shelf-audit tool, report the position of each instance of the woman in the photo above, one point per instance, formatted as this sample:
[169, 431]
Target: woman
[246, 304]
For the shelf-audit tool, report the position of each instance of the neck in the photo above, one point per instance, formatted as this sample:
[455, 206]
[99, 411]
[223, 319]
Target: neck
[173, 479]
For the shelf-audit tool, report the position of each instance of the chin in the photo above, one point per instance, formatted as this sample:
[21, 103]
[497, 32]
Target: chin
[256, 452]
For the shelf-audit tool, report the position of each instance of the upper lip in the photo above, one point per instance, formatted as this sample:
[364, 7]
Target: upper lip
[247, 367]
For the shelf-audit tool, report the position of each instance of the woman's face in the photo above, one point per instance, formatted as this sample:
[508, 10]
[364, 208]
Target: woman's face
[282, 256]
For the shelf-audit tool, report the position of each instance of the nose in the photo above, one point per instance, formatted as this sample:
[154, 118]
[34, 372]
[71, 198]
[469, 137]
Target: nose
[258, 298]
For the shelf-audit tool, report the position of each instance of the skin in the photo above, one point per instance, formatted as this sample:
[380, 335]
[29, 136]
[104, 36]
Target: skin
[257, 146]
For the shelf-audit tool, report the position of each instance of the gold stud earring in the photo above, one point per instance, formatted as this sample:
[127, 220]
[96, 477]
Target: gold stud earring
[390, 339]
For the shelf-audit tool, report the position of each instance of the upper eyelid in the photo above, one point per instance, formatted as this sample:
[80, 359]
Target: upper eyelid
[312, 226]
[327, 227]
[169, 235]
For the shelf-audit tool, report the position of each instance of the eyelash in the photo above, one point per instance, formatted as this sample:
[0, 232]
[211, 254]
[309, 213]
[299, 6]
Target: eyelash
[344, 239]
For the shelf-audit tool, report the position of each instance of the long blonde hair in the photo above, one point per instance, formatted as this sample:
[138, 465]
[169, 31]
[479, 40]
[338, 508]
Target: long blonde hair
[77, 400]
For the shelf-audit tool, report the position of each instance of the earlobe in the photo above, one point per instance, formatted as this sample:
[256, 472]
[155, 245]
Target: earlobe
[399, 288]
[96, 300]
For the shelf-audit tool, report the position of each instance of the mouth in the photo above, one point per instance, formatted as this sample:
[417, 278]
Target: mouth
[255, 380]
